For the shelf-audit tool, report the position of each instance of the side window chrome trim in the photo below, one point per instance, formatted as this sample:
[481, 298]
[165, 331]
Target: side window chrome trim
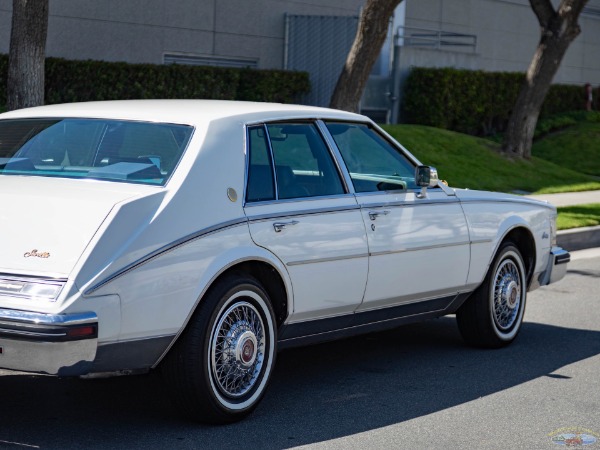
[408, 203]
[304, 212]
[395, 192]
[247, 157]
[247, 162]
[334, 151]
[268, 138]
[284, 201]
[396, 144]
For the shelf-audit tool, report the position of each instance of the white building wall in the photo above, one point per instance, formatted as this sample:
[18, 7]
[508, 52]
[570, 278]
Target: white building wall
[508, 32]
[141, 31]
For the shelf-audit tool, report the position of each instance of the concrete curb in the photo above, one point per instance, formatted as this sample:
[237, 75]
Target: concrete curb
[579, 238]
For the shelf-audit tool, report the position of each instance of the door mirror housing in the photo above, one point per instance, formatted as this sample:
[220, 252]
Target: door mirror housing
[425, 176]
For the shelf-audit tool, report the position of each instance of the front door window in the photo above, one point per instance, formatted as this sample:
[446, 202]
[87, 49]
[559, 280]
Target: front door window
[374, 164]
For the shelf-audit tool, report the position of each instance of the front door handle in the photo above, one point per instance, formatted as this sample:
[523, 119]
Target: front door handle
[278, 226]
[373, 214]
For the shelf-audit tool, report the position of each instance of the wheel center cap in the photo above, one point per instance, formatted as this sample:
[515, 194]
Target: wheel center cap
[511, 295]
[245, 349]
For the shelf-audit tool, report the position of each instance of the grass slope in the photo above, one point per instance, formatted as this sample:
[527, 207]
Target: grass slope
[475, 163]
[576, 147]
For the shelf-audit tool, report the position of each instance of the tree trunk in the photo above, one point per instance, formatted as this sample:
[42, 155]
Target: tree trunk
[370, 36]
[26, 60]
[558, 29]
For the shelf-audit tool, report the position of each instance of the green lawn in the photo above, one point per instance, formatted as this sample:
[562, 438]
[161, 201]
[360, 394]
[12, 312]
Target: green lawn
[475, 163]
[578, 216]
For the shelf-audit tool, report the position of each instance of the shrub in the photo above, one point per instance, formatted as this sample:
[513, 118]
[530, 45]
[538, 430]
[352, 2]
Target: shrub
[271, 85]
[80, 81]
[475, 102]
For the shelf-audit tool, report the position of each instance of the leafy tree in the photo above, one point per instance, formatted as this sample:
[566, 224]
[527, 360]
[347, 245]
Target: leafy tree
[559, 27]
[370, 36]
[26, 62]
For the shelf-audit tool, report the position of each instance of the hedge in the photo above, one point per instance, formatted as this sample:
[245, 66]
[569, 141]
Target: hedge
[80, 81]
[475, 102]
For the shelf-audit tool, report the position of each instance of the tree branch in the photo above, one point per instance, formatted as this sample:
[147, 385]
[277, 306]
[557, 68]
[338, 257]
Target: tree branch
[544, 11]
[570, 9]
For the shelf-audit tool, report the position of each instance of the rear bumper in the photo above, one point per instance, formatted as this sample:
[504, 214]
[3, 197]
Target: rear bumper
[55, 344]
[557, 266]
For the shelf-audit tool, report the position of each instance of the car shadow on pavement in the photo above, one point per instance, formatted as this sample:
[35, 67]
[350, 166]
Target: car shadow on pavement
[317, 393]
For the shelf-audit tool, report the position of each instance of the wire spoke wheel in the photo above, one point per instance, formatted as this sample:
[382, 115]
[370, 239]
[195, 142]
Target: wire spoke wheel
[507, 294]
[219, 369]
[492, 316]
[237, 349]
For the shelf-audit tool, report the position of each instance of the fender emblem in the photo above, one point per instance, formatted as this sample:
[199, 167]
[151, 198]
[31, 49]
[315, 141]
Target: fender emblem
[37, 254]
[545, 235]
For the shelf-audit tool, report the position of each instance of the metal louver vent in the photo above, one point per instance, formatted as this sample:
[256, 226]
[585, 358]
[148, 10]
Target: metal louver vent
[195, 60]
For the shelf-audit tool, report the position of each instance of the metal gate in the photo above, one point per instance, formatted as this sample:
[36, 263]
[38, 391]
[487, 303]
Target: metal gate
[318, 45]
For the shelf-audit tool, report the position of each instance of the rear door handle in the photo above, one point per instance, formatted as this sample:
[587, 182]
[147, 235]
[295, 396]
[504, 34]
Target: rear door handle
[279, 226]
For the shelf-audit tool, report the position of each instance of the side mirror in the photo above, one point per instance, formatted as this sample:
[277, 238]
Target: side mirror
[425, 176]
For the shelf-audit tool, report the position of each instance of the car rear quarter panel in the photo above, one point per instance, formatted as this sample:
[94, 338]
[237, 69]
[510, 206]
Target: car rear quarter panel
[160, 266]
[158, 297]
[195, 199]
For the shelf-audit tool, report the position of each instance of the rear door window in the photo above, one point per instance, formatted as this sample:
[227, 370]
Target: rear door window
[302, 164]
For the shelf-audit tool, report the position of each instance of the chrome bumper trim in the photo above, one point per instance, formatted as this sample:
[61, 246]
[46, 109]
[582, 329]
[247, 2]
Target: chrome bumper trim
[55, 344]
[559, 258]
[557, 266]
[47, 319]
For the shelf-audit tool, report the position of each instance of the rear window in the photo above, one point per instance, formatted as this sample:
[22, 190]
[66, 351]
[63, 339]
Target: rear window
[113, 150]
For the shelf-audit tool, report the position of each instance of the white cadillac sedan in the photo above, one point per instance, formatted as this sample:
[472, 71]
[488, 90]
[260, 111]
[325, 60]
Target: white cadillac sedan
[204, 236]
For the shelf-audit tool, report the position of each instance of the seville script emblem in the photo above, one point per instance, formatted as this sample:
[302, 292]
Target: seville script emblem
[37, 254]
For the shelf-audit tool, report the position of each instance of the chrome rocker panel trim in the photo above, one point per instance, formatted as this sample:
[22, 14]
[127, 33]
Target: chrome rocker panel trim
[332, 328]
[48, 343]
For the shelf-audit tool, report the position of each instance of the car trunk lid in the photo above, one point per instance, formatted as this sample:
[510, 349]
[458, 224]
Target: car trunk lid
[46, 223]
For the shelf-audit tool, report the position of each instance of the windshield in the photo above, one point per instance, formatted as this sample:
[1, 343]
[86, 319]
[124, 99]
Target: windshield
[114, 150]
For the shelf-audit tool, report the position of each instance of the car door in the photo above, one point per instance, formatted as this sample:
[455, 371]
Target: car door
[419, 247]
[299, 208]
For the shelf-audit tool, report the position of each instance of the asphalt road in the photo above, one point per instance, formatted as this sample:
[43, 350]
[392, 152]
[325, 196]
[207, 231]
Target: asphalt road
[417, 387]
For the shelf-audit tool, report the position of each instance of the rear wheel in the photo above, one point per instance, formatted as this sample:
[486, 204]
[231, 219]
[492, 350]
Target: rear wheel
[219, 369]
[493, 314]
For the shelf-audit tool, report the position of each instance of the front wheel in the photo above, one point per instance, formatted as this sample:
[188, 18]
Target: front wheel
[219, 369]
[493, 314]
